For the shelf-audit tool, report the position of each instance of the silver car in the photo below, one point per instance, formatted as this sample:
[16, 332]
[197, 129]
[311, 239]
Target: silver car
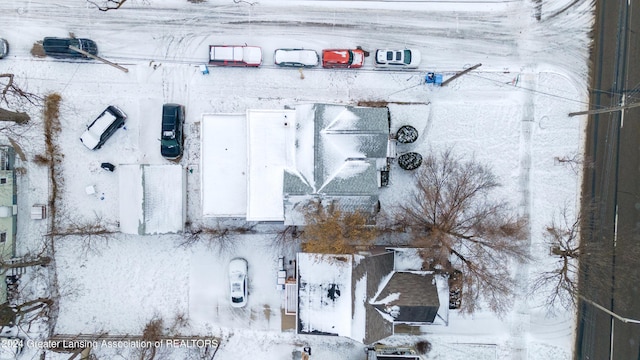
[238, 282]
[296, 57]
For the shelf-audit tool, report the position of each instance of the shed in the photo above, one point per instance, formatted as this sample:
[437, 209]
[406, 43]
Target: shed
[152, 199]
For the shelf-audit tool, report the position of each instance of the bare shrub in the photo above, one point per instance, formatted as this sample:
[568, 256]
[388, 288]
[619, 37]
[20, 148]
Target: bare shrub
[52, 129]
[180, 321]
[153, 331]
[41, 160]
[452, 215]
[423, 347]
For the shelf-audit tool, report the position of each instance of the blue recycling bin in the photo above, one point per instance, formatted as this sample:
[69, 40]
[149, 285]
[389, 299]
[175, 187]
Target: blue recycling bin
[433, 78]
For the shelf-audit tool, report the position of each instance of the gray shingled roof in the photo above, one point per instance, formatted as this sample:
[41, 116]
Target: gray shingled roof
[365, 130]
[418, 297]
[348, 142]
[375, 268]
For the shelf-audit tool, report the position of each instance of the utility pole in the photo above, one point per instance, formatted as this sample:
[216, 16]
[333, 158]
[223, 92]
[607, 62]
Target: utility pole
[460, 74]
[98, 58]
[609, 312]
[607, 110]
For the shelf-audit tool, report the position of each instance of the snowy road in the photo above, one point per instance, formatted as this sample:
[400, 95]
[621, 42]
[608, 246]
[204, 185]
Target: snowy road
[501, 35]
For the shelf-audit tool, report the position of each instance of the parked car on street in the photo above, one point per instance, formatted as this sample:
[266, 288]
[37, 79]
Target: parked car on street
[397, 59]
[296, 57]
[4, 48]
[342, 58]
[238, 282]
[235, 55]
[171, 139]
[59, 47]
[101, 129]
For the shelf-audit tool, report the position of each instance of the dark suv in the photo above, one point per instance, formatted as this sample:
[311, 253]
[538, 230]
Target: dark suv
[59, 47]
[171, 140]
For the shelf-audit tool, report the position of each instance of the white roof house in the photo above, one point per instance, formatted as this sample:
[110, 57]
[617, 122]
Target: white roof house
[242, 161]
[265, 164]
[152, 198]
[223, 165]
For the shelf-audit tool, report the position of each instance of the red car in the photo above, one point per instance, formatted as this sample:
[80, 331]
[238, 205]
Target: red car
[342, 58]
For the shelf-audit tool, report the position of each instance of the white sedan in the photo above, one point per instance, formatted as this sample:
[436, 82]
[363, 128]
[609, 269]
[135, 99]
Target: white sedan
[238, 282]
[399, 59]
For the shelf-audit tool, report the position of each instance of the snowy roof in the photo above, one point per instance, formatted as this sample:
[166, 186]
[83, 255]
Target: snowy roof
[338, 152]
[409, 297]
[243, 160]
[324, 294]
[268, 155]
[223, 165]
[152, 198]
[270, 148]
[381, 295]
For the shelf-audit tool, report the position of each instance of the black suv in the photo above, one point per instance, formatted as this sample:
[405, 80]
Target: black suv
[59, 47]
[171, 140]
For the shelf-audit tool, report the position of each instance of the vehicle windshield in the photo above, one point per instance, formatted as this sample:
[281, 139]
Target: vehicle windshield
[350, 56]
[237, 299]
[407, 57]
[168, 143]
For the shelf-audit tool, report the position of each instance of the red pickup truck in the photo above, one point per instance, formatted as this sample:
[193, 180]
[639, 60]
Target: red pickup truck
[235, 55]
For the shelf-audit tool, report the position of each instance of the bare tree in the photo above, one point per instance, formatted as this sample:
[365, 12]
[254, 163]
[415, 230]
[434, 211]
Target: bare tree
[452, 215]
[27, 311]
[12, 95]
[25, 261]
[220, 238]
[577, 162]
[565, 237]
[331, 231]
[106, 5]
[561, 281]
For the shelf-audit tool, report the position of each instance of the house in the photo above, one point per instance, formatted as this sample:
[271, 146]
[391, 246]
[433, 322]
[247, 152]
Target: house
[152, 198]
[265, 165]
[364, 297]
[8, 211]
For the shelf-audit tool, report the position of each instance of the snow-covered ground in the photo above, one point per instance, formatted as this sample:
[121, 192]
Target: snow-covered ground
[511, 114]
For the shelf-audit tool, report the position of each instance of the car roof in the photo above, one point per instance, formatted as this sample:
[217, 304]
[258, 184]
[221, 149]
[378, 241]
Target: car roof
[304, 56]
[91, 137]
[336, 55]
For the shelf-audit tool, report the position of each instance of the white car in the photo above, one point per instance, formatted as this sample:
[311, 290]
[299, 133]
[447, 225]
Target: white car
[238, 282]
[296, 57]
[101, 129]
[399, 59]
